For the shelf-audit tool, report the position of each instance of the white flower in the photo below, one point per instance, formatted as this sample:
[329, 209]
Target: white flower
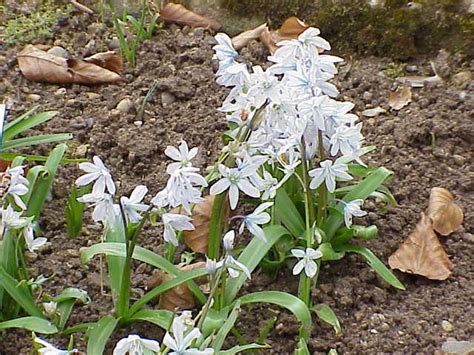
[100, 174]
[232, 265]
[224, 48]
[105, 210]
[32, 243]
[49, 349]
[132, 205]
[264, 85]
[183, 156]
[134, 345]
[257, 217]
[307, 261]
[18, 185]
[352, 208]
[11, 219]
[180, 190]
[269, 186]
[50, 308]
[182, 339]
[161, 199]
[235, 179]
[212, 265]
[347, 140]
[328, 173]
[311, 109]
[175, 222]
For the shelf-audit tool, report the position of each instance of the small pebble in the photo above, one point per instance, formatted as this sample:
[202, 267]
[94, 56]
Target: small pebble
[459, 159]
[92, 95]
[167, 98]
[125, 106]
[412, 69]
[60, 92]
[33, 97]
[114, 43]
[447, 326]
[59, 52]
[138, 123]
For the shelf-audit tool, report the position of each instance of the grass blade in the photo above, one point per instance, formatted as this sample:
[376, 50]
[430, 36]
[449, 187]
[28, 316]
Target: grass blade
[19, 126]
[241, 349]
[100, 334]
[33, 140]
[226, 328]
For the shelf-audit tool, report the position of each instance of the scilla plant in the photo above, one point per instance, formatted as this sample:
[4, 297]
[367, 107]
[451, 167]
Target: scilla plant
[22, 196]
[295, 153]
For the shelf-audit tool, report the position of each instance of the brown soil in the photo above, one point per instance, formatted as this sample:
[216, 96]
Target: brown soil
[375, 317]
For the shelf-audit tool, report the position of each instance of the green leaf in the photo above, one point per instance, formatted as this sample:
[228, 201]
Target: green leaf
[44, 182]
[226, 328]
[20, 293]
[33, 140]
[23, 124]
[302, 348]
[241, 349]
[374, 262]
[168, 285]
[21, 117]
[73, 293]
[75, 210]
[251, 256]
[286, 300]
[34, 324]
[361, 191]
[29, 157]
[329, 253]
[288, 213]
[159, 317]
[116, 264]
[326, 314]
[100, 333]
[143, 255]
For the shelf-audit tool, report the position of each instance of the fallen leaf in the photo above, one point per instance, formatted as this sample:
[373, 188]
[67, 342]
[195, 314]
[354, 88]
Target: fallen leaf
[179, 297]
[290, 29]
[445, 214]
[108, 60]
[197, 239]
[177, 13]
[400, 97]
[242, 39]
[419, 81]
[422, 253]
[373, 112]
[37, 65]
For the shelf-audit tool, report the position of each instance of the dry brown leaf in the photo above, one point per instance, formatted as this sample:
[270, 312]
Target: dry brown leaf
[290, 29]
[177, 13]
[242, 39]
[400, 97]
[422, 253]
[445, 214]
[197, 239]
[37, 65]
[108, 60]
[179, 297]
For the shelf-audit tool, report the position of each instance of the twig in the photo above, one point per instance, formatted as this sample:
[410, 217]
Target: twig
[81, 7]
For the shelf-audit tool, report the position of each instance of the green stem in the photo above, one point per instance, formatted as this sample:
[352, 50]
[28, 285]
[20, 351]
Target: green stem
[216, 226]
[322, 188]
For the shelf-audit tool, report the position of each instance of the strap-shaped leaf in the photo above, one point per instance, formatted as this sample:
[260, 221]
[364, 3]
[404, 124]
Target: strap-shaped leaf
[327, 315]
[100, 333]
[374, 262]
[285, 300]
[288, 213]
[253, 253]
[226, 328]
[34, 324]
[19, 126]
[33, 140]
[159, 317]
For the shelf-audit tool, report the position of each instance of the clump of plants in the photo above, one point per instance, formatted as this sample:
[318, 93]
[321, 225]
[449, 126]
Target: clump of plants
[294, 155]
[25, 28]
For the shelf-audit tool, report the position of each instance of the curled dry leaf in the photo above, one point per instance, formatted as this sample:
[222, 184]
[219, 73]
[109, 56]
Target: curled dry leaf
[453, 346]
[179, 297]
[242, 39]
[400, 97]
[290, 29]
[197, 239]
[445, 214]
[422, 253]
[177, 13]
[373, 112]
[38, 65]
[108, 60]
[419, 81]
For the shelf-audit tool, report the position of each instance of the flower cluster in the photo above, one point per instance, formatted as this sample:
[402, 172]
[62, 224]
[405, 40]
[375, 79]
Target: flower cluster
[290, 114]
[14, 186]
[181, 192]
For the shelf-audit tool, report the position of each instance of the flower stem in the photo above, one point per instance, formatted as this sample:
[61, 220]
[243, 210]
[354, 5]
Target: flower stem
[322, 188]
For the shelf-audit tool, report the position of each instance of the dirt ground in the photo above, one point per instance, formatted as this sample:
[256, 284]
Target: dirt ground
[427, 143]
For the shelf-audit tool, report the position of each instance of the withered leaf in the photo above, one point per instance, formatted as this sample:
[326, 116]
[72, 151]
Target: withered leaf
[242, 39]
[445, 214]
[179, 297]
[197, 239]
[177, 13]
[38, 65]
[108, 60]
[400, 97]
[290, 29]
[422, 253]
